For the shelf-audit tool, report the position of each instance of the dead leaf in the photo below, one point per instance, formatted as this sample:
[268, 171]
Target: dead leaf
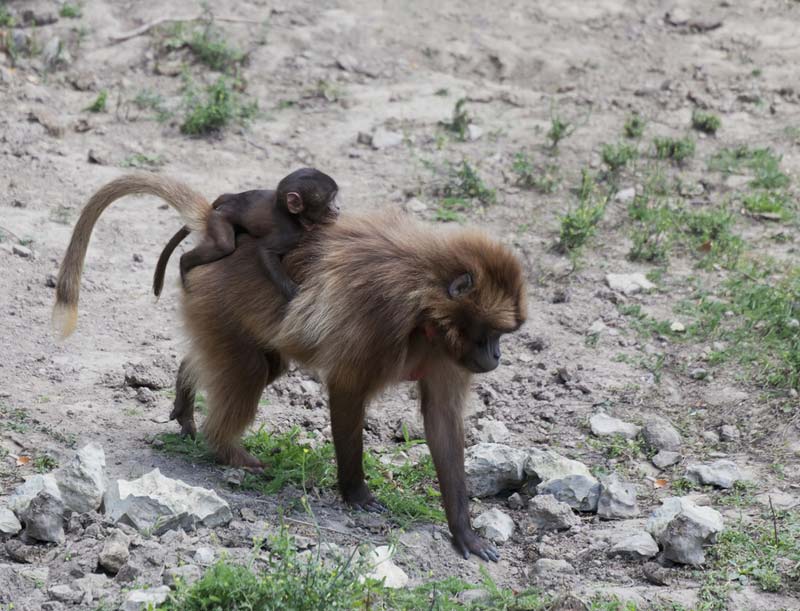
[660, 483]
[706, 246]
[23, 460]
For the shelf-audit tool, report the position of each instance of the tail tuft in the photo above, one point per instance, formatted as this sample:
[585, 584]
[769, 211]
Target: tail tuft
[65, 319]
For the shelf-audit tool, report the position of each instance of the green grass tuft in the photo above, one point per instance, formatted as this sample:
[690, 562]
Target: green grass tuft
[460, 121]
[70, 11]
[529, 177]
[560, 128]
[617, 156]
[768, 203]
[580, 223]
[207, 44]
[634, 127]
[676, 149]
[99, 104]
[706, 122]
[464, 182]
[763, 163]
[220, 107]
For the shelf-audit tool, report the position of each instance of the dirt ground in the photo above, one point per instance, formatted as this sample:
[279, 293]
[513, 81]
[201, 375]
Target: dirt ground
[323, 72]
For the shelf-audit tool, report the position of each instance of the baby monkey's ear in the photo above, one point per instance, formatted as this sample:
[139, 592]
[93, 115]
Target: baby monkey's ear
[294, 202]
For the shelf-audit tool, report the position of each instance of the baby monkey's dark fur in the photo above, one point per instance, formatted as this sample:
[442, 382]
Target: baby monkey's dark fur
[305, 198]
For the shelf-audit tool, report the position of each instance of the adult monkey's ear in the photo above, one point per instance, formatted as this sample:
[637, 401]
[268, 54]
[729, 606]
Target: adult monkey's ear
[294, 202]
[460, 286]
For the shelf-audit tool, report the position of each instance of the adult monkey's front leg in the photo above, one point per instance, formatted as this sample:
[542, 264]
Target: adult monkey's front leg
[443, 392]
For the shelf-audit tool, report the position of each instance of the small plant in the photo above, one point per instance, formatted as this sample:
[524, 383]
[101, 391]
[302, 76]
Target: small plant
[580, 223]
[764, 164]
[450, 209]
[99, 104]
[634, 127]
[208, 45]
[461, 120]
[706, 122]
[677, 149]
[559, 129]
[528, 177]
[767, 203]
[465, 183]
[143, 160]
[617, 156]
[70, 11]
[44, 463]
[150, 100]
[6, 19]
[220, 107]
[61, 214]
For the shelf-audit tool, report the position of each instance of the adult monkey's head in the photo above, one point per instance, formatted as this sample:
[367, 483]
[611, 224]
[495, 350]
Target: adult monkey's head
[480, 297]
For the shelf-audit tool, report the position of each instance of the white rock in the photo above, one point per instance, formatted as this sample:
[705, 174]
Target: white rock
[547, 566]
[310, 387]
[683, 529]
[659, 433]
[474, 132]
[596, 328]
[638, 545]
[720, 473]
[9, 524]
[492, 431]
[625, 195]
[383, 138]
[205, 556]
[495, 525]
[65, 594]
[155, 503]
[416, 205]
[22, 251]
[665, 458]
[629, 284]
[617, 499]
[186, 574]
[580, 492]
[139, 600]
[548, 513]
[544, 465]
[677, 327]
[32, 486]
[115, 552]
[380, 559]
[82, 482]
[493, 467]
[604, 425]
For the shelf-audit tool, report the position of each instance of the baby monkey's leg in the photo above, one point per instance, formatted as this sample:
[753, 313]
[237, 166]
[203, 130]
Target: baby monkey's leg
[219, 241]
[273, 268]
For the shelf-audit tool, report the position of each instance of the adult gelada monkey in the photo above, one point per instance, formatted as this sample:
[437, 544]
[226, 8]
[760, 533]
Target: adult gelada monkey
[303, 199]
[384, 299]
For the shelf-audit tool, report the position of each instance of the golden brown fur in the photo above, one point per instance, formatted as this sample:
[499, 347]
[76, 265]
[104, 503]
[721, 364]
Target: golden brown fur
[374, 308]
[193, 208]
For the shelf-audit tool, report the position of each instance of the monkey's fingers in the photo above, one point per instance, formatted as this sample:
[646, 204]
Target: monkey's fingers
[375, 506]
[472, 543]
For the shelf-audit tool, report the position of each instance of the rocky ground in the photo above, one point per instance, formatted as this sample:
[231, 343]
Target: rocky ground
[641, 439]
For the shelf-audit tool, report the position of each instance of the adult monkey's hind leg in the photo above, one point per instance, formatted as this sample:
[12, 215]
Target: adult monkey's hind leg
[183, 408]
[233, 371]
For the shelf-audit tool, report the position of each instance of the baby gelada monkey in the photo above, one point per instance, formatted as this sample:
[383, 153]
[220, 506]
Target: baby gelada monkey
[305, 198]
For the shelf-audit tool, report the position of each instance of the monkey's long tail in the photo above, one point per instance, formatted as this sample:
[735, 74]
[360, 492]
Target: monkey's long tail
[163, 259]
[193, 208]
